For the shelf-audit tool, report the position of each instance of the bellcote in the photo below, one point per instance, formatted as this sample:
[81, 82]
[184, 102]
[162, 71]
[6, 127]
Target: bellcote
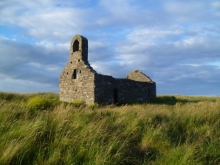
[79, 48]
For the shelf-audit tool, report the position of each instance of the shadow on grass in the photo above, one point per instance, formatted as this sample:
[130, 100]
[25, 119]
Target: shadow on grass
[172, 100]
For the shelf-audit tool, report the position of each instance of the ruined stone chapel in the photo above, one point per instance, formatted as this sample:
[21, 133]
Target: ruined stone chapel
[79, 80]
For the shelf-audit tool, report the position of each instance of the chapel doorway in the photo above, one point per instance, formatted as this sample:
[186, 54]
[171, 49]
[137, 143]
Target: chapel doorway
[115, 94]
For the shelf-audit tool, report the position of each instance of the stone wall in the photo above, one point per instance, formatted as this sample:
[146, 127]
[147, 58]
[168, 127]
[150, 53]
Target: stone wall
[137, 75]
[112, 90]
[78, 80]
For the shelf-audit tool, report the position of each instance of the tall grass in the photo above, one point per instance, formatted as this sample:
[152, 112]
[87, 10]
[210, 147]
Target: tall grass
[167, 130]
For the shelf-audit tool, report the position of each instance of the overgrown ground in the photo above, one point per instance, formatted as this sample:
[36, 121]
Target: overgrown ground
[170, 130]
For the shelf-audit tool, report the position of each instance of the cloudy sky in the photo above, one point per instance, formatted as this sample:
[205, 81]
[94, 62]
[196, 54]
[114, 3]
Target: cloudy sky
[175, 42]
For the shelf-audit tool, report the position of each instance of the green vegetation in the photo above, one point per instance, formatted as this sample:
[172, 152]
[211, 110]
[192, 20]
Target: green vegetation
[170, 130]
[78, 103]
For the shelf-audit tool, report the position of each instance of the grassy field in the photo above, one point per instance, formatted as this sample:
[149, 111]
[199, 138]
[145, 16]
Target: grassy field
[170, 130]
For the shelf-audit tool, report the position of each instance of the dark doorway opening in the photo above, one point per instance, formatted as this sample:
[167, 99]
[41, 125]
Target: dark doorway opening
[76, 46]
[115, 94]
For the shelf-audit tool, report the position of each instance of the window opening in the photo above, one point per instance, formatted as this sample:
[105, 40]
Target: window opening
[76, 46]
[75, 71]
[115, 94]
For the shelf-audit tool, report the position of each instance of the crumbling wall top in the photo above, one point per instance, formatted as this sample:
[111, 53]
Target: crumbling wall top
[137, 75]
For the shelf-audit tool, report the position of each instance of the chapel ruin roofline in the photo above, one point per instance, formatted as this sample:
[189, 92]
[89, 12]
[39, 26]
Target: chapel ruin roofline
[147, 78]
[137, 75]
[79, 80]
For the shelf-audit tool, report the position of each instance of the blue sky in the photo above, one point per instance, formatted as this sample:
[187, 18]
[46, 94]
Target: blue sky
[175, 42]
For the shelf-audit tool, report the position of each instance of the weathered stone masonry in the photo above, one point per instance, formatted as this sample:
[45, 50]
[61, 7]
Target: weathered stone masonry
[78, 80]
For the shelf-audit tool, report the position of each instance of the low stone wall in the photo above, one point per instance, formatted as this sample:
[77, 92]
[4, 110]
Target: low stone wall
[111, 90]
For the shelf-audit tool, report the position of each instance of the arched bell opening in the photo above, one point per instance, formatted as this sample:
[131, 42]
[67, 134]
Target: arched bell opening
[76, 46]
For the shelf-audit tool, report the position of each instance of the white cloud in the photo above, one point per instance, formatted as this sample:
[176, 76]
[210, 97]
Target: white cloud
[184, 7]
[176, 43]
[46, 20]
[23, 63]
[216, 4]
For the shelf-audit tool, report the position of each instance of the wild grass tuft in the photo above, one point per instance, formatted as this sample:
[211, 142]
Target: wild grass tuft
[78, 103]
[93, 106]
[39, 103]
